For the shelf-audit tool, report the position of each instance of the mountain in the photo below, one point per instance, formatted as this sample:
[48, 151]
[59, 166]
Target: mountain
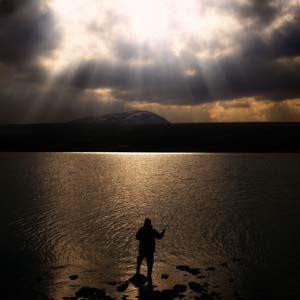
[125, 118]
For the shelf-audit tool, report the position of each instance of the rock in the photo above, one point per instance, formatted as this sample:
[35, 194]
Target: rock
[215, 295]
[205, 284]
[108, 298]
[146, 293]
[123, 287]
[168, 294]
[138, 280]
[238, 296]
[164, 276]
[238, 260]
[183, 267]
[73, 277]
[193, 271]
[156, 295]
[225, 265]
[90, 293]
[180, 288]
[231, 280]
[201, 277]
[207, 296]
[211, 296]
[111, 282]
[210, 269]
[196, 287]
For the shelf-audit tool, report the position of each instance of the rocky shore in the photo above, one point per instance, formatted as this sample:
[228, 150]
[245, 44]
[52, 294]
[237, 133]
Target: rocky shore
[196, 287]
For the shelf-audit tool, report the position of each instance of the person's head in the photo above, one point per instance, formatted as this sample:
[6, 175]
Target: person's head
[147, 222]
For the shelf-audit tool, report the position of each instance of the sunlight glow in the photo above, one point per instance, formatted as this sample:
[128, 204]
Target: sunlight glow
[147, 19]
[91, 28]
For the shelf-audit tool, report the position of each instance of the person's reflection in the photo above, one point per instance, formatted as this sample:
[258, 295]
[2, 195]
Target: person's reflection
[146, 236]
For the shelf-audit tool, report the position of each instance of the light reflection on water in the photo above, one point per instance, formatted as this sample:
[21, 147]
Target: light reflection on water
[77, 213]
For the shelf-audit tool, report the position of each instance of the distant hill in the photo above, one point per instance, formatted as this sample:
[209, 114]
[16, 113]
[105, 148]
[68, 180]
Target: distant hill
[125, 118]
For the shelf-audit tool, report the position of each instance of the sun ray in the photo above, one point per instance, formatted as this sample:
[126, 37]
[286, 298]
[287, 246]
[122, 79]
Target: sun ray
[90, 28]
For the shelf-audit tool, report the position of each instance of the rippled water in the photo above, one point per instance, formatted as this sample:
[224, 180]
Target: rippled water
[77, 213]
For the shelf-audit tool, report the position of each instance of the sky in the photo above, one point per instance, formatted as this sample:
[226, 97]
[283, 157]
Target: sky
[188, 61]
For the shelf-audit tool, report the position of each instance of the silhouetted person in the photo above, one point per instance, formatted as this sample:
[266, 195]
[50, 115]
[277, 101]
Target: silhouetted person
[147, 235]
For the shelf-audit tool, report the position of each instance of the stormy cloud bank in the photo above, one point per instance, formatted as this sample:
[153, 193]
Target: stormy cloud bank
[245, 69]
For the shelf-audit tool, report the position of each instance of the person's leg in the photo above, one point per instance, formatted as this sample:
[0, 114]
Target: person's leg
[139, 261]
[150, 261]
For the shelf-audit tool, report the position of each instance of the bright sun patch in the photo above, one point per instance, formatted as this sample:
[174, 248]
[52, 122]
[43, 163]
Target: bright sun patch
[91, 28]
[147, 19]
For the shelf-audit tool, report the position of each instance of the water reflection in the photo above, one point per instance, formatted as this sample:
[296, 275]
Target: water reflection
[77, 213]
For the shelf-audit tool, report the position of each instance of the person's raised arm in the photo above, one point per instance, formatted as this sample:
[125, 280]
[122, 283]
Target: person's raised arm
[158, 235]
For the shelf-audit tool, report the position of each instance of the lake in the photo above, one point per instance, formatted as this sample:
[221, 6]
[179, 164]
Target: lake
[78, 213]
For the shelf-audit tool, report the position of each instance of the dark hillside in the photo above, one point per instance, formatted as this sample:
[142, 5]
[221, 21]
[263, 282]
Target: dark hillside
[210, 137]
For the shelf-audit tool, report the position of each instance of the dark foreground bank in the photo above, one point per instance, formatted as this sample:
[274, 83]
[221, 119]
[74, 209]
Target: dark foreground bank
[213, 137]
[195, 286]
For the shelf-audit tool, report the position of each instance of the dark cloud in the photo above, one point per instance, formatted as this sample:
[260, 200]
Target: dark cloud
[282, 112]
[8, 7]
[27, 30]
[284, 42]
[126, 50]
[28, 103]
[256, 70]
[235, 104]
[256, 64]
[260, 12]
